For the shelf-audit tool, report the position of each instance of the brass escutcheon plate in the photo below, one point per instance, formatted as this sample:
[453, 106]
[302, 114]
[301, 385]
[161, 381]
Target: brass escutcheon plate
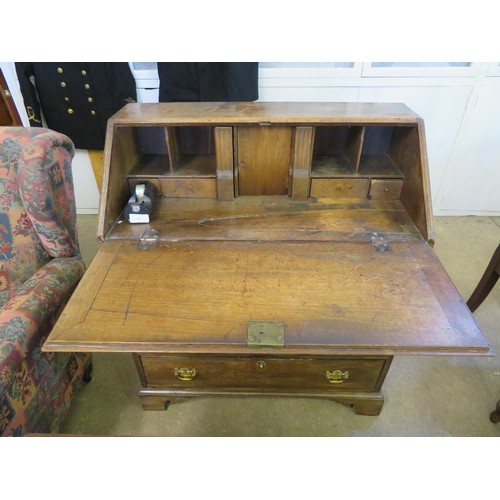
[265, 334]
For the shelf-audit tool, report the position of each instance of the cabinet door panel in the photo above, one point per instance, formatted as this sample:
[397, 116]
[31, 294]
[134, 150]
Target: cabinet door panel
[263, 160]
[9, 117]
[470, 185]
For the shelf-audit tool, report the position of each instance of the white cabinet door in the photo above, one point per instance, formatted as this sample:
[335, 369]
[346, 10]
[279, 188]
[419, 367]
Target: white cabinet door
[317, 93]
[86, 191]
[442, 109]
[472, 180]
[148, 94]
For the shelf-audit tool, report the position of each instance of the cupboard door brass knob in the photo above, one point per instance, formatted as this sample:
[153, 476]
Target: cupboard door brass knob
[185, 373]
[337, 377]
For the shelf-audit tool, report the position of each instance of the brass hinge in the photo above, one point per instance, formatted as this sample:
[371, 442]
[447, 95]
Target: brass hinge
[149, 239]
[265, 334]
[379, 243]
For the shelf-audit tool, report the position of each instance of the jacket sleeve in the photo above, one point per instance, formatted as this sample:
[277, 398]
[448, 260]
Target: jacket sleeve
[123, 82]
[24, 72]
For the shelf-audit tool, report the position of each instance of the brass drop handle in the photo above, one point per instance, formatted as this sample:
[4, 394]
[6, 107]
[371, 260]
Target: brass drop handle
[185, 373]
[337, 376]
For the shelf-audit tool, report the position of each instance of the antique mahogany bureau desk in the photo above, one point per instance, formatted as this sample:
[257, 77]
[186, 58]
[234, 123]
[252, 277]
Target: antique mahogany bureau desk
[289, 253]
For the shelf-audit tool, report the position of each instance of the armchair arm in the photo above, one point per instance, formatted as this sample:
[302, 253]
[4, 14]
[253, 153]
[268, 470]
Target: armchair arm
[31, 381]
[28, 317]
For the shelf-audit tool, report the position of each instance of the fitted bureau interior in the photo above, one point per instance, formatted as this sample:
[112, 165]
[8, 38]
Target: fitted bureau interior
[355, 162]
[353, 151]
[302, 162]
[175, 161]
[188, 152]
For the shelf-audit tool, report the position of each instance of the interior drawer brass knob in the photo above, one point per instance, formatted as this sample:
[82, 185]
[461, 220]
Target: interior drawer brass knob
[337, 376]
[185, 373]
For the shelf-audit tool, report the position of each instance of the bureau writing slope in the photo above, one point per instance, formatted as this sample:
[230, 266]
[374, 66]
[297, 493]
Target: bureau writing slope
[289, 253]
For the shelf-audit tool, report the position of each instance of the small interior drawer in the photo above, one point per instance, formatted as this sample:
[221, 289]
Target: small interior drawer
[385, 189]
[188, 188]
[287, 374]
[339, 188]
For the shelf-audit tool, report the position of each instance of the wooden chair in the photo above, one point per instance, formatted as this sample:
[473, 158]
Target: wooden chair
[483, 288]
[486, 283]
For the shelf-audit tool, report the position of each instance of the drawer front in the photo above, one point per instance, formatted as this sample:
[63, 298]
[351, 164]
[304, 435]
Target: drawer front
[339, 188]
[287, 374]
[385, 189]
[189, 188]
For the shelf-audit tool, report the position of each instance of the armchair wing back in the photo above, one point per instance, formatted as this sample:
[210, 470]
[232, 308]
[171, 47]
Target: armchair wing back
[40, 266]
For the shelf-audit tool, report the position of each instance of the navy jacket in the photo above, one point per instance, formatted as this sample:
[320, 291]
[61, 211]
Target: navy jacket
[208, 81]
[76, 99]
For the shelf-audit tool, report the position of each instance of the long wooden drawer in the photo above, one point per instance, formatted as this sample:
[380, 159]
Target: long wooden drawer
[265, 372]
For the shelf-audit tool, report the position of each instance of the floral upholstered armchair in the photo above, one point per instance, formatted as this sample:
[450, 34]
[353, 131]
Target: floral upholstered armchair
[40, 266]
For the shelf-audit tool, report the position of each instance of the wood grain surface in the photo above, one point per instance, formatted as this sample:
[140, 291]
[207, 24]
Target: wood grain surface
[263, 218]
[340, 296]
[193, 113]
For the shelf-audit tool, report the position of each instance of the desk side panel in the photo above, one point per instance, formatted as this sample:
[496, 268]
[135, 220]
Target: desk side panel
[120, 155]
[409, 153]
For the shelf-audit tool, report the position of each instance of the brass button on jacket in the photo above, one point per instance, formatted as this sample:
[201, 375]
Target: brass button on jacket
[59, 70]
[103, 88]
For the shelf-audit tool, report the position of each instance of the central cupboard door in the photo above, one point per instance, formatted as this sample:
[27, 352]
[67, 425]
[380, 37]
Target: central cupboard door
[263, 159]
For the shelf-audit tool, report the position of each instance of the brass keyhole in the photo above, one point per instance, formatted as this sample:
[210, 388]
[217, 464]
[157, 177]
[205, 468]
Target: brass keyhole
[261, 365]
